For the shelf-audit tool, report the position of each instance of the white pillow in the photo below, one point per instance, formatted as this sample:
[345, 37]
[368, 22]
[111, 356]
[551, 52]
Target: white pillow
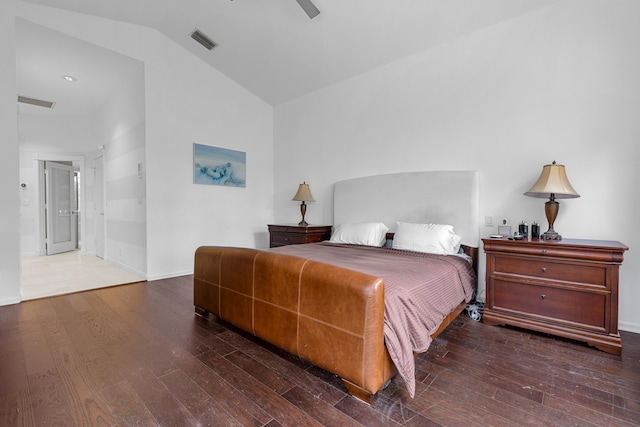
[430, 238]
[364, 233]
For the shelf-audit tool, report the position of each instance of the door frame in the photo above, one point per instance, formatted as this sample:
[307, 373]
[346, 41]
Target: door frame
[99, 206]
[39, 160]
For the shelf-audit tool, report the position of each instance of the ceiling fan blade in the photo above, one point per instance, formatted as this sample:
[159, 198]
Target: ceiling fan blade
[310, 9]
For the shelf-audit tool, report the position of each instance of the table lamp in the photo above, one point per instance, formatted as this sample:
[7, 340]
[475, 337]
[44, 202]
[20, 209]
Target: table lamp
[554, 184]
[303, 195]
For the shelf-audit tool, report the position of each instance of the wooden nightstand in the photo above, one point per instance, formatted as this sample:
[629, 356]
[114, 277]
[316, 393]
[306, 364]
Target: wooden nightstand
[292, 234]
[567, 288]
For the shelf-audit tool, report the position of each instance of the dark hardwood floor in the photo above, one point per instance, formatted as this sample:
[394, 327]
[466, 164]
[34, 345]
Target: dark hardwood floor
[137, 355]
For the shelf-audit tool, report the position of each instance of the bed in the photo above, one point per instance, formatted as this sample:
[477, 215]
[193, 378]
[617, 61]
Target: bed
[326, 302]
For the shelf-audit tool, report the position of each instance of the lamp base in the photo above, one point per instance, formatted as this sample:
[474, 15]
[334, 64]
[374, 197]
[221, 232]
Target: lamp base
[551, 211]
[550, 235]
[303, 211]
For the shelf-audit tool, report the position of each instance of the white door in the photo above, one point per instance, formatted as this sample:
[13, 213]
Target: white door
[60, 209]
[99, 206]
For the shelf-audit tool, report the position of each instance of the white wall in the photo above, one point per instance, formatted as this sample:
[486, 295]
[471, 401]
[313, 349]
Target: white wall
[125, 201]
[9, 183]
[122, 124]
[557, 84]
[185, 102]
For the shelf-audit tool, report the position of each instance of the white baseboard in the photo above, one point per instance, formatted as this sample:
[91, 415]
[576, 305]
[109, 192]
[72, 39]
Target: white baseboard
[169, 275]
[629, 327]
[10, 301]
[142, 275]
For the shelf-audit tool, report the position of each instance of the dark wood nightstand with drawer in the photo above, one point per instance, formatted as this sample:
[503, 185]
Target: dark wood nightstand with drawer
[567, 288]
[292, 234]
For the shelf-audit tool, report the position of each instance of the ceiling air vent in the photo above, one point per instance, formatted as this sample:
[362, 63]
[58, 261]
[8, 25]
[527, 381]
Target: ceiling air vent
[205, 41]
[309, 8]
[34, 101]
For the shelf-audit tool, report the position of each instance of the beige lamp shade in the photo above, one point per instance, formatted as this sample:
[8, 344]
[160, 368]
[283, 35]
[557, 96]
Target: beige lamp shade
[553, 180]
[303, 194]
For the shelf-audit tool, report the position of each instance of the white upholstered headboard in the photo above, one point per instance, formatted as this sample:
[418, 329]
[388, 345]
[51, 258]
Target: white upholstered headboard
[440, 197]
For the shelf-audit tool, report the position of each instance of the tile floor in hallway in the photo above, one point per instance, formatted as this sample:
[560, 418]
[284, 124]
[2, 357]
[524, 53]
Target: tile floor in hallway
[68, 272]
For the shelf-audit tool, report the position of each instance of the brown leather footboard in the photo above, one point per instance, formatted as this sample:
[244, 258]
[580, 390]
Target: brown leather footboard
[327, 315]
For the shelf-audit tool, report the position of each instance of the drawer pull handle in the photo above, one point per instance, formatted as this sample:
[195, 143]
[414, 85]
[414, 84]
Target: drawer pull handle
[544, 251]
[544, 269]
[543, 296]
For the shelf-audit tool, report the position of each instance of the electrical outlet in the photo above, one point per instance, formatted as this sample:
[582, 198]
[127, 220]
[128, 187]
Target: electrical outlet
[488, 221]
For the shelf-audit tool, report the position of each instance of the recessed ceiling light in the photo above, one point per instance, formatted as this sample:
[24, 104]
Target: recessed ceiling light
[69, 78]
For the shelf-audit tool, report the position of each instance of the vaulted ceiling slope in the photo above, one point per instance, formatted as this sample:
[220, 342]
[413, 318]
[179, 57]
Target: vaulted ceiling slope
[274, 50]
[43, 56]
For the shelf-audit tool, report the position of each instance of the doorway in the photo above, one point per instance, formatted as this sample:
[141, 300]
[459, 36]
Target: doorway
[59, 198]
[74, 126]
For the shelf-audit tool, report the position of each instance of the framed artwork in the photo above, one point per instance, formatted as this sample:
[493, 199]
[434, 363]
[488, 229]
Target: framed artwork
[219, 166]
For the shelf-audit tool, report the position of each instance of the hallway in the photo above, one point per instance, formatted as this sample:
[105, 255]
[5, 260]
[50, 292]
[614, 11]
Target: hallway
[68, 272]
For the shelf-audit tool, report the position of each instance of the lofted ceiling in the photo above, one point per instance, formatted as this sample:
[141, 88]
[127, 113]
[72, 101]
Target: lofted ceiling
[44, 56]
[271, 47]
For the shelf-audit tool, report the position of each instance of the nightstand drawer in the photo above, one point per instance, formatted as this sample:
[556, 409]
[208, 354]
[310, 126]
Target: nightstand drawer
[573, 307]
[289, 234]
[288, 239]
[591, 274]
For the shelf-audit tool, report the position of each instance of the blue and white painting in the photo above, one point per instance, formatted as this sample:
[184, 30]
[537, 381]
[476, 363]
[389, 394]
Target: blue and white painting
[219, 166]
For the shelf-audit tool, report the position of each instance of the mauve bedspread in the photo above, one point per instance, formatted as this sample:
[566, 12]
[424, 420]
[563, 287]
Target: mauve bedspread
[420, 290]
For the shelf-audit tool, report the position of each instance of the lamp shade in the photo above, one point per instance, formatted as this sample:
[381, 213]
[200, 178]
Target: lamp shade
[303, 194]
[553, 180]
